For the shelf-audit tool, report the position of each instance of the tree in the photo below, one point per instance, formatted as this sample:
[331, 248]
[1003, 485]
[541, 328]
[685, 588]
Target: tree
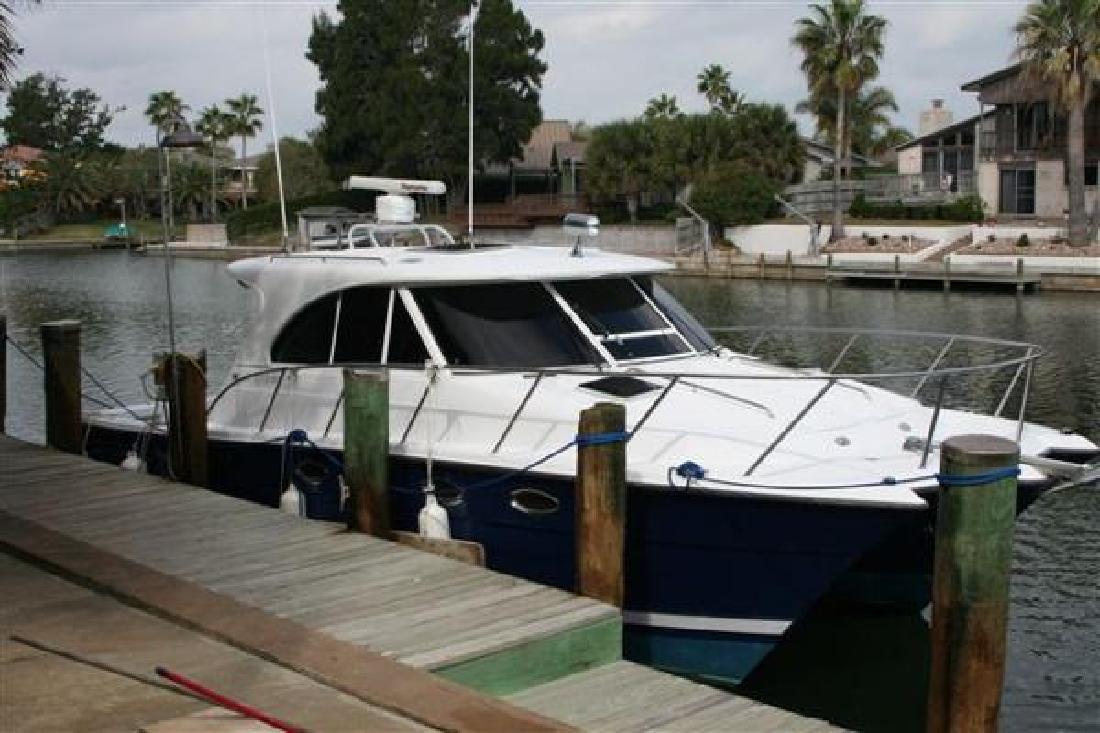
[734, 194]
[618, 161]
[1058, 42]
[394, 86]
[190, 188]
[216, 126]
[43, 113]
[245, 122]
[713, 83]
[9, 48]
[662, 106]
[304, 171]
[872, 131]
[841, 46]
[165, 112]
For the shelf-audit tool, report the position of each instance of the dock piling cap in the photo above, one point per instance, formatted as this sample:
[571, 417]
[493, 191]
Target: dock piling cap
[981, 450]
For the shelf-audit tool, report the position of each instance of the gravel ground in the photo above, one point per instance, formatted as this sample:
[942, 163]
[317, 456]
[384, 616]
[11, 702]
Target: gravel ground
[1035, 248]
[892, 245]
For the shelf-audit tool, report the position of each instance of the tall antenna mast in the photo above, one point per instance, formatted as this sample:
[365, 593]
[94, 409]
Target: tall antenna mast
[274, 130]
[470, 132]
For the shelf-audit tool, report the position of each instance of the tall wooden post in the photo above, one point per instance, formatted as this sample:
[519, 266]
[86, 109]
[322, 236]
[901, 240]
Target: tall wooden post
[790, 265]
[947, 274]
[601, 505]
[3, 371]
[61, 363]
[1019, 274]
[367, 448]
[973, 556]
[897, 272]
[186, 388]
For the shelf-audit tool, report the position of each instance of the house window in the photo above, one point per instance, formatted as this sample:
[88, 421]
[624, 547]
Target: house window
[1090, 174]
[1017, 191]
[1033, 126]
[307, 337]
[930, 162]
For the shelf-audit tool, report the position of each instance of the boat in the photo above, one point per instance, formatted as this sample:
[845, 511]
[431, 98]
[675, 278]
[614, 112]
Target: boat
[753, 486]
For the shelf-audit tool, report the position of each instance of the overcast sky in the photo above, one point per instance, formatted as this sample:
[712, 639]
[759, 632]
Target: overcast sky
[606, 57]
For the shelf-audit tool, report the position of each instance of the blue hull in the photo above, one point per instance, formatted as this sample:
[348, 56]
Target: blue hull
[712, 581]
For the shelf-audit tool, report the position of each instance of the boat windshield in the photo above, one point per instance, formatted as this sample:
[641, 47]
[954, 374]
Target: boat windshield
[573, 323]
[623, 317]
[502, 326]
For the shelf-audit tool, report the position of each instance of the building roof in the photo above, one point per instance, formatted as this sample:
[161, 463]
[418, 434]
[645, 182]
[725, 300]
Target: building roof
[23, 154]
[968, 122]
[538, 152]
[823, 153]
[1005, 73]
[573, 151]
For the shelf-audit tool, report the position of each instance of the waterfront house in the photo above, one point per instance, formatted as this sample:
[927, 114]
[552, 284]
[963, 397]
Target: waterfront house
[1021, 170]
[16, 160]
[944, 159]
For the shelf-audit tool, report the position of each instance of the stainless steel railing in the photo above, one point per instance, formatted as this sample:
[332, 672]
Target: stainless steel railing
[1017, 357]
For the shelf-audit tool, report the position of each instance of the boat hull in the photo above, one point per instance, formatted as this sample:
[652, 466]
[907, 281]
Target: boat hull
[713, 580]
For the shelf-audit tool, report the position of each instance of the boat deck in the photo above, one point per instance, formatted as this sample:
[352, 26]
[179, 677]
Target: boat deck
[365, 617]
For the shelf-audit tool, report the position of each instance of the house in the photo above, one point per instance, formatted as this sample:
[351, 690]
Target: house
[16, 160]
[819, 159]
[550, 162]
[1021, 170]
[944, 159]
[238, 174]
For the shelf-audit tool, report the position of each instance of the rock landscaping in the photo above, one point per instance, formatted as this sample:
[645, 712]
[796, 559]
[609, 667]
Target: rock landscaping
[1023, 246]
[884, 243]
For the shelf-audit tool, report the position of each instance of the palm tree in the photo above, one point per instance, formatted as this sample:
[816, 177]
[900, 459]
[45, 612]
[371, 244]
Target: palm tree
[1059, 43]
[869, 115]
[216, 126]
[245, 112]
[841, 47]
[713, 83]
[9, 49]
[664, 107]
[165, 110]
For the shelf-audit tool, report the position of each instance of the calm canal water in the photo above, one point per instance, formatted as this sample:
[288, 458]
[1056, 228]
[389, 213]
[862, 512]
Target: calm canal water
[867, 670]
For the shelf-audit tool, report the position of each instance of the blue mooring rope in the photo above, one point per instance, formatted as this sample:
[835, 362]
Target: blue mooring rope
[691, 471]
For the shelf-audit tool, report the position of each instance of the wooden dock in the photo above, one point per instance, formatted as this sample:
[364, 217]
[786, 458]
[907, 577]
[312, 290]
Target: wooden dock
[429, 641]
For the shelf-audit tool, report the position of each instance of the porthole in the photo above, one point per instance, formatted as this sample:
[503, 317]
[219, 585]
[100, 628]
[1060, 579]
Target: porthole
[534, 502]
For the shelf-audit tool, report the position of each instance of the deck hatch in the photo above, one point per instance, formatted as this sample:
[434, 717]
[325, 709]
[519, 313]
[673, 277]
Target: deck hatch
[620, 386]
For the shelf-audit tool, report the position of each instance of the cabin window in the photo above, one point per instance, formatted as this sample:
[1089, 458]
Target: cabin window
[502, 326]
[696, 334]
[620, 315]
[362, 326]
[405, 347]
[307, 337]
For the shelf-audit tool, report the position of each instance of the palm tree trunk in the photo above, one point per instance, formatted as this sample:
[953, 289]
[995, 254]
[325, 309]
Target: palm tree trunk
[213, 181]
[1075, 158]
[244, 173]
[838, 162]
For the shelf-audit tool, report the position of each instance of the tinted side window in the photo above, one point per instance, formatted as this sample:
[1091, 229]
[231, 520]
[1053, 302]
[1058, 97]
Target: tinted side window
[307, 337]
[362, 326]
[406, 346]
[610, 306]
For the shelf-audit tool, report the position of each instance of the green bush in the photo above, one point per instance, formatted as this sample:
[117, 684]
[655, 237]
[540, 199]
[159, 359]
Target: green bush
[265, 217]
[734, 194]
[965, 209]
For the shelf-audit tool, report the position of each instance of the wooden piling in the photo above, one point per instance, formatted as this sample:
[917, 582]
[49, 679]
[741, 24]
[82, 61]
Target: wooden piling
[601, 505]
[186, 388]
[3, 370]
[973, 554]
[789, 263]
[1020, 275]
[61, 364]
[367, 448]
[947, 274]
[760, 264]
[897, 272]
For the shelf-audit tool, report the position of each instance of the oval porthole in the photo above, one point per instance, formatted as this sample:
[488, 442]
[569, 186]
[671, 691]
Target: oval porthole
[534, 502]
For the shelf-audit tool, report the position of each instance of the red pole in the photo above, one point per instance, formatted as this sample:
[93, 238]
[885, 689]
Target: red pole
[228, 703]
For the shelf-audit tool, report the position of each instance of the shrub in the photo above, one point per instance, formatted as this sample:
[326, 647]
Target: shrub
[1023, 241]
[965, 209]
[733, 194]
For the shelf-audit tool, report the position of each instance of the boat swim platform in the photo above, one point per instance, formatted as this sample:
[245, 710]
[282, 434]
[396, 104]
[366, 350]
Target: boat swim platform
[428, 641]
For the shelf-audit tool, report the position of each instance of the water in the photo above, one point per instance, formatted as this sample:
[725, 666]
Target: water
[867, 671]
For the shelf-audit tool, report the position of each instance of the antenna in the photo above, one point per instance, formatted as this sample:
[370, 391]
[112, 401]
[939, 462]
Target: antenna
[470, 132]
[274, 130]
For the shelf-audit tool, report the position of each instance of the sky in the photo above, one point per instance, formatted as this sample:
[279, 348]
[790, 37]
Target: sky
[606, 57]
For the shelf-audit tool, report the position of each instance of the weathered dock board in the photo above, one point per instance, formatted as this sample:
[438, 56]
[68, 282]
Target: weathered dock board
[365, 617]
